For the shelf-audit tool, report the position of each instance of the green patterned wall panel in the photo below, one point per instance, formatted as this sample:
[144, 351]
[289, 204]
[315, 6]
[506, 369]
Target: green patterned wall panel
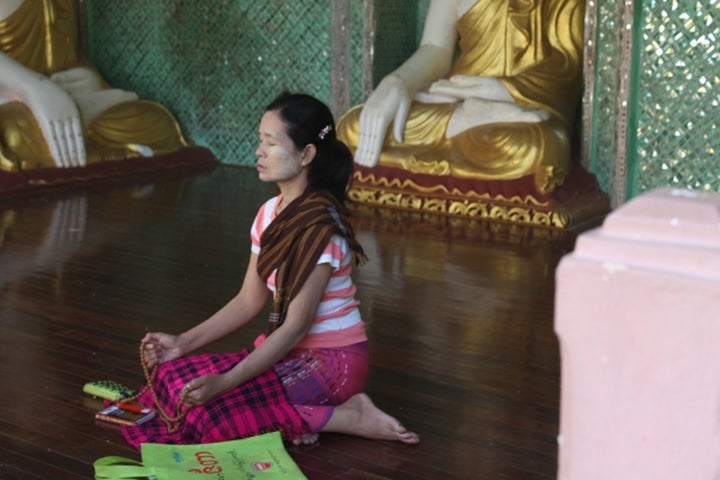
[216, 64]
[676, 94]
[398, 30]
[655, 115]
[358, 57]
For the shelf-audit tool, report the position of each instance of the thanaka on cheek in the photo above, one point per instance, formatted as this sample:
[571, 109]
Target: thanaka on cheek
[281, 165]
[278, 158]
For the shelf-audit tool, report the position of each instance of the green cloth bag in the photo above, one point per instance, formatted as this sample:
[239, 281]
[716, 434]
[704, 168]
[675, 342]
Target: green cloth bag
[259, 457]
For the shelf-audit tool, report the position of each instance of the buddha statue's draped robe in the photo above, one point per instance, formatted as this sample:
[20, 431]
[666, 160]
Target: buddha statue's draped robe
[535, 48]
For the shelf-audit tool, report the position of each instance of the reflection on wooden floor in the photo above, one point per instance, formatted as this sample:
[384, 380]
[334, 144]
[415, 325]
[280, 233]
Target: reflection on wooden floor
[459, 316]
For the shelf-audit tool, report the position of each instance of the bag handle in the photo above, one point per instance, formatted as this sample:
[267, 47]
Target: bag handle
[119, 468]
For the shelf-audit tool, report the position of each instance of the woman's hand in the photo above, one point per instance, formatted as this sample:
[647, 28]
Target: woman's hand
[203, 389]
[160, 347]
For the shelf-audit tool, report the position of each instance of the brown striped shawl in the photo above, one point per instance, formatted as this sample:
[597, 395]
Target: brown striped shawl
[294, 241]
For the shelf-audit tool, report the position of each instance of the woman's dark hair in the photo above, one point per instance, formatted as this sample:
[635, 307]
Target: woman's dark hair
[310, 121]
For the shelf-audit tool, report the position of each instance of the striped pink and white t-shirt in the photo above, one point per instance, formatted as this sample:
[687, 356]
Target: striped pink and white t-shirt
[337, 321]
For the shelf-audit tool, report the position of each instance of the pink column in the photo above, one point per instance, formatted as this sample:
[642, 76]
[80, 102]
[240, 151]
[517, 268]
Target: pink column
[638, 320]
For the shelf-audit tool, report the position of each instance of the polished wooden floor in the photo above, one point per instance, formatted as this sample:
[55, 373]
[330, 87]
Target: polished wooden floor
[459, 313]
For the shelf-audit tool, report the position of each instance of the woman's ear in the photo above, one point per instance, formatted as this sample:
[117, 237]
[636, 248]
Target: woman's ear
[308, 154]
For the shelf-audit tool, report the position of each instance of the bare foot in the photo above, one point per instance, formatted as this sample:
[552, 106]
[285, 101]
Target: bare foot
[307, 439]
[359, 416]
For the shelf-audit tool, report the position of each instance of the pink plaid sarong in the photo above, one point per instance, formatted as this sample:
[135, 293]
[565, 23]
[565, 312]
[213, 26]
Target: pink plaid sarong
[255, 407]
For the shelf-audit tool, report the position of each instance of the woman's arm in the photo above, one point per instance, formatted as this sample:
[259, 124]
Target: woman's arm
[301, 313]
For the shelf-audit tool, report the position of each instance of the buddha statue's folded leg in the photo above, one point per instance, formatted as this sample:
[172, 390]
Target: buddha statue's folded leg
[499, 151]
[22, 144]
[509, 151]
[137, 128]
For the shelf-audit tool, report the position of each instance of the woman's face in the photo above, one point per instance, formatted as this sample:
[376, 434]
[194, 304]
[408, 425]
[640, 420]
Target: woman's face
[277, 158]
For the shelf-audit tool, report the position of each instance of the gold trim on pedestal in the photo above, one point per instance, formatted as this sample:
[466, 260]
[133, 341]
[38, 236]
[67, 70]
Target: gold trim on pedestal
[407, 194]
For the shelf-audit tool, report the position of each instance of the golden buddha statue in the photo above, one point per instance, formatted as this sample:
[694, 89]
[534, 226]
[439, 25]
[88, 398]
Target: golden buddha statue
[55, 108]
[503, 109]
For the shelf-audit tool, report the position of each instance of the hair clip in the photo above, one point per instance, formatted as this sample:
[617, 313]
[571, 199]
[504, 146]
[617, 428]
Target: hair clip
[324, 132]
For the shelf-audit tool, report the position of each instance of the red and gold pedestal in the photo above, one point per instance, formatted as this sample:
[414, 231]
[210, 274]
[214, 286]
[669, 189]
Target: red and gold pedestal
[578, 201]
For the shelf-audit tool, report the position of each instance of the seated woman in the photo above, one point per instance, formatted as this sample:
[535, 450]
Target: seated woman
[55, 108]
[308, 374]
[503, 111]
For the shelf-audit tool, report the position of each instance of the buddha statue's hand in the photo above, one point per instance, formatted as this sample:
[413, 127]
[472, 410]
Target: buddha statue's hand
[389, 102]
[78, 80]
[85, 87]
[475, 112]
[502, 112]
[59, 119]
[462, 87]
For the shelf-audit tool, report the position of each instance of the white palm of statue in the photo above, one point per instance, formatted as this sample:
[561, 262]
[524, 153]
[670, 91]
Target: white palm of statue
[63, 105]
